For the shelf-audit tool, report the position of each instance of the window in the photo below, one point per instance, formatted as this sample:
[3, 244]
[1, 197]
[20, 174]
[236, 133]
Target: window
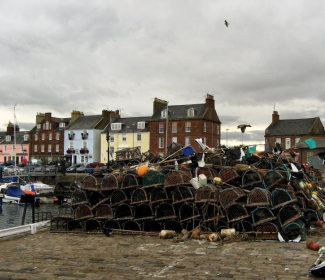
[288, 143]
[161, 127]
[8, 138]
[174, 127]
[204, 140]
[50, 136]
[141, 125]
[297, 140]
[57, 136]
[5, 148]
[111, 152]
[188, 127]
[218, 129]
[42, 148]
[174, 139]
[123, 137]
[71, 144]
[139, 137]
[278, 140]
[38, 126]
[112, 137]
[47, 125]
[187, 140]
[62, 125]
[82, 159]
[26, 137]
[116, 126]
[190, 112]
[36, 137]
[205, 127]
[84, 144]
[43, 136]
[164, 113]
[161, 142]
[57, 148]
[49, 148]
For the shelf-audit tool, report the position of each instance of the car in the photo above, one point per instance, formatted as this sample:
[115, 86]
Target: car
[11, 169]
[50, 168]
[94, 164]
[73, 168]
[81, 169]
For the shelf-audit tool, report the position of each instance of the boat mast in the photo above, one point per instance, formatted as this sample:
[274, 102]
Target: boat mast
[15, 154]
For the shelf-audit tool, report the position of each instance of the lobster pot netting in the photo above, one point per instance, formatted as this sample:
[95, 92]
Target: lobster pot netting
[288, 214]
[272, 178]
[311, 215]
[242, 226]
[59, 224]
[186, 174]
[139, 196]
[264, 164]
[259, 197]
[158, 194]
[298, 226]
[182, 194]
[129, 181]
[228, 174]
[301, 202]
[112, 224]
[175, 149]
[78, 197]
[153, 178]
[207, 194]
[165, 211]
[281, 197]
[212, 211]
[217, 225]
[66, 211]
[187, 211]
[236, 212]
[151, 225]
[208, 172]
[118, 197]
[89, 182]
[173, 225]
[92, 225]
[131, 225]
[294, 182]
[109, 182]
[268, 227]
[123, 212]
[173, 178]
[83, 212]
[96, 198]
[143, 212]
[251, 178]
[74, 225]
[192, 224]
[104, 211]
[262, 215]
[229, 196]
[217, 161]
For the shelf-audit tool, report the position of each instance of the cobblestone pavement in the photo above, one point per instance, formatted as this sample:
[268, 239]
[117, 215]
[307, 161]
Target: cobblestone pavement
[45, 255]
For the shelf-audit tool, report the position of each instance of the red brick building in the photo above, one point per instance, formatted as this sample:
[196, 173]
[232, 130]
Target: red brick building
[184, 124]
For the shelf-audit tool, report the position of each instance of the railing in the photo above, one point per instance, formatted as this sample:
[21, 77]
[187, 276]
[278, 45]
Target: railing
[22, 229]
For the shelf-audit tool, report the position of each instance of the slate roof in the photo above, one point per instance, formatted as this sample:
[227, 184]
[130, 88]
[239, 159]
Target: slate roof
[320, 143]
[291, 127]
[177, 112]
[127, 125]
[19, 138]
[85, 122]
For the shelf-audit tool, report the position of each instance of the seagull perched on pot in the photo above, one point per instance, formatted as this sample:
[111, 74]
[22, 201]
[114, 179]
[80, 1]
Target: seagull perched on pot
[226, 23]
[243, 127]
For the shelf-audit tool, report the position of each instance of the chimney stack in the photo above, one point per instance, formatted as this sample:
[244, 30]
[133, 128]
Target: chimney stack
[275, 116]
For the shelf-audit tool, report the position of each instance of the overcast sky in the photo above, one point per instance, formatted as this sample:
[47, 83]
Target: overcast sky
[59, 56]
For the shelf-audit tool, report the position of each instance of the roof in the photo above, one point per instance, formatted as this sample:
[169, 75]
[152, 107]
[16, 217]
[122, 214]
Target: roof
[61, 120]
[177, 112]
[85, 122]
[320, 143]
[291, 127]
[127, 125]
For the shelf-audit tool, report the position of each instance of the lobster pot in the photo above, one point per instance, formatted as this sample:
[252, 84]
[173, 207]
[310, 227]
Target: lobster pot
[173, 225]
[208, 172]
[251, 178]
[268, 227]
[208, 193]
[311, 215]
[187, 211]
[59, 224]
[165, 211]
[109, 182]
[297, 225]
[228, 174]
[92, 225]
[281, 197]
[118, 197]
[259, 197]
[74, 225]
[96, 198]
[217, 225]
[151, 225]
[123, 212]
[212, 211]
[89, 183]
[153, 178]
[288, 214]
[192, 224]
[182, 194]
[262, 215]
[129, 181]
[173, 178]
[175, 149]
[301, 202]
[131, 225]
[78, 197]
[216, 161]
[236, 212]
[83, 212]
[158, 195]
[143, 212]
[104, 211]
[272, 178]
[148, 156]
[229, 196]
[242, 226]
[294, 182]
[112, 224]
[264, 164]
[66, 211]
[286, 187]
[186, 174]
[139, 196]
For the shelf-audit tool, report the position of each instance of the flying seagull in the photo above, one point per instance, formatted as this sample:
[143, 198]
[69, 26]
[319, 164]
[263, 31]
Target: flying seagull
[243, 127]
[226, 23]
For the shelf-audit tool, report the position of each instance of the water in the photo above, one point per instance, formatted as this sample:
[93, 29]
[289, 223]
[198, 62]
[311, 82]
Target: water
[12, 214]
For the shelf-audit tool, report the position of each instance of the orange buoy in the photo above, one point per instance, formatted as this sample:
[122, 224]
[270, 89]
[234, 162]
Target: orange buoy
[319, 223]
[312, 245]
[143, 170]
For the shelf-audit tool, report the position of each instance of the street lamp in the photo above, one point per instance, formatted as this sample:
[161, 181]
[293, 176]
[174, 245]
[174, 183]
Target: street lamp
[108, 138]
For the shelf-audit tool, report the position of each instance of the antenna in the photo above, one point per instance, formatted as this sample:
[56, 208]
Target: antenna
[274, 107]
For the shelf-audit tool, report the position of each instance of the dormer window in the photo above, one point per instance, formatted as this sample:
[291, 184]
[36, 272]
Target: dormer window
[190, 112]
[38, 126]
[164, 113]
[26, 137]
[8, 138]
[61, 124]
[116, 126]
[141, 125]
[47, 125]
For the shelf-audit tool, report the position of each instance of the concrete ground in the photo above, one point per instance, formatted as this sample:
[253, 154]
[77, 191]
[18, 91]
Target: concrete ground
[46, 255]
